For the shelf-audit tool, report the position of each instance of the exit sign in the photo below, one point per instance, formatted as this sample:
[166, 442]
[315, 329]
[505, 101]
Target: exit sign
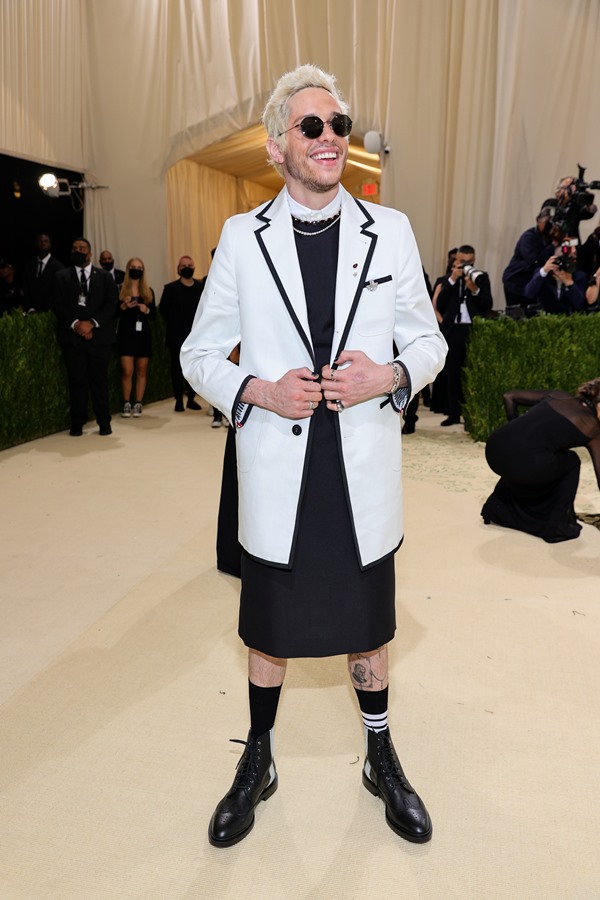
[369, 188]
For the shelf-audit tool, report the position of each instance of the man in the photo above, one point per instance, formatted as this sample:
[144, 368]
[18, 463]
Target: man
[38, 276]
[316, 287]
[178, 306]
[564, 291]
[85, 302]
[463, 296]
[533, 247]
[107, 261]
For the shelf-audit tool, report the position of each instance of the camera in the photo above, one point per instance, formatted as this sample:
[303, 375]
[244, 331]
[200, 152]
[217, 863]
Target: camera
[472, 273]
[565, 217]
[564, 260]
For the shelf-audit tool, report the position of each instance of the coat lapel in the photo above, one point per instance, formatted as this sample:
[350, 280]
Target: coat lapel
[275, 237]
[357, 244]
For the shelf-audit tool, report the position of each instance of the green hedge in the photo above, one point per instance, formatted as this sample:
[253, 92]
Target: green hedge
[541, 352]
[34, 399]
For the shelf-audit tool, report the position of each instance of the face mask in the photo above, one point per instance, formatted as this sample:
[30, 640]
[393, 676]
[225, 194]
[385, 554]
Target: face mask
[78, 258]
[186, 271]
[136, 274]
[107, 265]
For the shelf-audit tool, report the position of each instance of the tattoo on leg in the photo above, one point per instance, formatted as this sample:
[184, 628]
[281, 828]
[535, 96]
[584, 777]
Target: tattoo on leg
[362, 674]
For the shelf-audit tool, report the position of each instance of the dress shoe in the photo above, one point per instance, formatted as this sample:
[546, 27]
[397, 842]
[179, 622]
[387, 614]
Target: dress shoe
[451, 420]
[76, 432]
[382, 775]
[191, 404]
[105, 429]
[255, 780]
[179, 406]
[408, 428]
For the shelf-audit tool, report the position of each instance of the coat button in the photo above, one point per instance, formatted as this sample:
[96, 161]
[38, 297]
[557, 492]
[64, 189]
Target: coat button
[297, 429]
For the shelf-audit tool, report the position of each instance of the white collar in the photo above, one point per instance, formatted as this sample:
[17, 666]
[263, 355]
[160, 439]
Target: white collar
[314, 215]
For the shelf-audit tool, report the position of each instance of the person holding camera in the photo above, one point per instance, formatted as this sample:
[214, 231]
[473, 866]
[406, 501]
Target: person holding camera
[134, 338]
[559, 286]
[465, 293]
[532, 248]
[572, 203]
[592, 294]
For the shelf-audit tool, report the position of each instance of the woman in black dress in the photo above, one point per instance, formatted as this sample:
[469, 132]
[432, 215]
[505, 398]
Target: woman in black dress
[134, 337]
[539, 470]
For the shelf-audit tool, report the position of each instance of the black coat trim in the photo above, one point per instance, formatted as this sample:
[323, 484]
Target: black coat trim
[238, 404]
[362, 280]
[258, 234]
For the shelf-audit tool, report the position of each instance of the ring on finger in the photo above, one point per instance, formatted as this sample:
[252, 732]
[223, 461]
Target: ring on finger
[340, 405]
[311, 405]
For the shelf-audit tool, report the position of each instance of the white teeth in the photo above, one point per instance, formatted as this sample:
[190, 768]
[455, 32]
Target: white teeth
[325, 155]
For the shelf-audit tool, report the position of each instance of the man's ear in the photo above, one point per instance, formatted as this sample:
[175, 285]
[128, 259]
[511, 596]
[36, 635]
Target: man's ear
[274, 151]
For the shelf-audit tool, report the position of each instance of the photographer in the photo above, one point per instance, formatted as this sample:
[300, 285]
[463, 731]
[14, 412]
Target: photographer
[572, 203]
[464, 294]
[533, 246]
[559, 285]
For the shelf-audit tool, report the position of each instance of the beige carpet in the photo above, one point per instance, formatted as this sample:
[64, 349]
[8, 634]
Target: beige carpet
[122, 678]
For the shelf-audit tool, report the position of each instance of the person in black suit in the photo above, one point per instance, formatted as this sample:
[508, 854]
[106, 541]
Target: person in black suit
[532, 249]
[107, 261]
[38, 276]
[461, 298]
[85, 302]
[178, 306]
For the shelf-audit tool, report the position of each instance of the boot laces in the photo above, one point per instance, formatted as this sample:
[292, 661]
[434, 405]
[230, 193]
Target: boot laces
[390, 765]
[247, 767]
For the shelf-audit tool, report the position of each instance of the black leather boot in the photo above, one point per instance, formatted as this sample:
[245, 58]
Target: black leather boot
[405, 812]
[255, 780]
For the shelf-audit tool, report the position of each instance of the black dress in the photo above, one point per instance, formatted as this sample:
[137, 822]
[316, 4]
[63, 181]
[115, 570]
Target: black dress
[134, 332]
[324, 605]
[539, 472]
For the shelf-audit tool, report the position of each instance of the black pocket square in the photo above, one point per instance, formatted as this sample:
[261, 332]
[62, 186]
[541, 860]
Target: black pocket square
[374, 283]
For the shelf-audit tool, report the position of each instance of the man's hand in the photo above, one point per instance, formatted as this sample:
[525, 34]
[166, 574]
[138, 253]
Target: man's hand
[361, 380]
[565, 277]
[551, 266]
[295, 395]
[84, 329]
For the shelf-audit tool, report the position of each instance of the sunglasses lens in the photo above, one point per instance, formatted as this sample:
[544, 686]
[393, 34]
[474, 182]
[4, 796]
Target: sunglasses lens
[312, 127]
[341, 125]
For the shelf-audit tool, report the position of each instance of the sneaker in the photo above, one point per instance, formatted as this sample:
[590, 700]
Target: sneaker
[126, 410]
[216, 423]
[137, 409]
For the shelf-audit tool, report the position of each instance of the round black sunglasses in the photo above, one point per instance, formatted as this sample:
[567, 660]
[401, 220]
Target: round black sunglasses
[312, 126]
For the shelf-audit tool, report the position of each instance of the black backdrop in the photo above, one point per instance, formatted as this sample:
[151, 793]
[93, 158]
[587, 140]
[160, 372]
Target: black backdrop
[26, 211]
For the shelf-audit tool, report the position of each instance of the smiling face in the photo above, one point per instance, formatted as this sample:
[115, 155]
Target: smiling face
[312, 168]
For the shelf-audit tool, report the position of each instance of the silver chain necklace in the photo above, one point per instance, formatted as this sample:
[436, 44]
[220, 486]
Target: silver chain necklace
[320, 231]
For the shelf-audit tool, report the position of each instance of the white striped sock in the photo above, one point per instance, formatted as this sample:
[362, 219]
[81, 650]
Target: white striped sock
[376, 722]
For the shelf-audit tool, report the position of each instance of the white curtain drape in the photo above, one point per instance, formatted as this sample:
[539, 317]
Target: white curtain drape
[484, 103]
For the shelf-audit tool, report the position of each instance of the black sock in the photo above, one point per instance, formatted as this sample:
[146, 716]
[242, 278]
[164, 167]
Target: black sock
[263, 707]
[373, 706]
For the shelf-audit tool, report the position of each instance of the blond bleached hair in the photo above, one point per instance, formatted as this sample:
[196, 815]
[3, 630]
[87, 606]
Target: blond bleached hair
[276, 113]
[145, 291]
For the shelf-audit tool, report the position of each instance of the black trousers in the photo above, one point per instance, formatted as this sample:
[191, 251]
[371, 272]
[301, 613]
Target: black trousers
[180, 385]
[87, 372]
[457, 339]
